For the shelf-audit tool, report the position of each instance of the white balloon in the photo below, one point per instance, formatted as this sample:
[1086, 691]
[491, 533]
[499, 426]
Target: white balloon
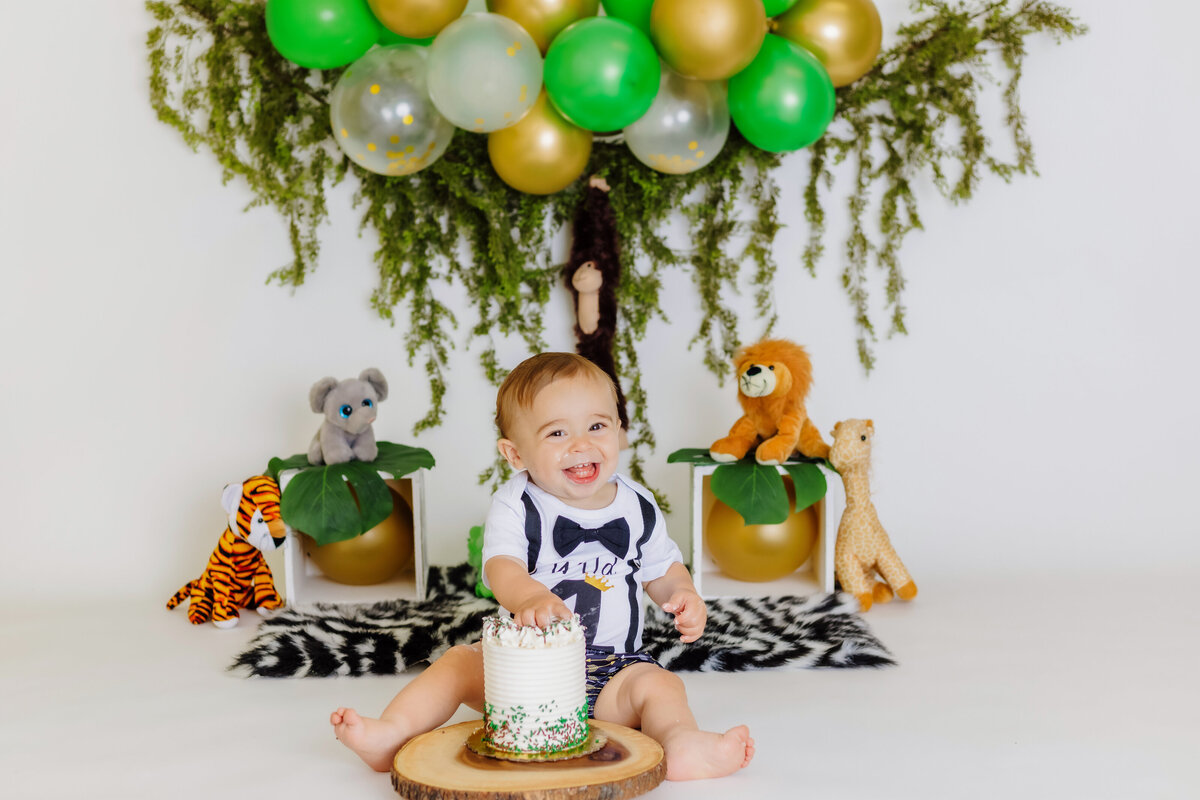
[485, 72]
[685, 128]
[381, 112]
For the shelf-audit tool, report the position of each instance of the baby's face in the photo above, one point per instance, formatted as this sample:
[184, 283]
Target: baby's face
[569, 441]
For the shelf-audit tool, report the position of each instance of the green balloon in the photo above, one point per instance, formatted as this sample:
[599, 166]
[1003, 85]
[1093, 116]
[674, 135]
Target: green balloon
[635, 12]
[321, 34]
[784, 100]
[602, 73]
[387, 37]
[776, 7]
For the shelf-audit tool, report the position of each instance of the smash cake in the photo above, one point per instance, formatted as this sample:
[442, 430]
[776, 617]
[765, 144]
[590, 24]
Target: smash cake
[534, 690]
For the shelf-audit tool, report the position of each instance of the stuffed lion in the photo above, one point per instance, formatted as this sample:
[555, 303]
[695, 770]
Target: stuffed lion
[773, 379]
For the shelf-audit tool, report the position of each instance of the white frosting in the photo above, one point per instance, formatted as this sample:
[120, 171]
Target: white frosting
[558, 633]
[534, 686]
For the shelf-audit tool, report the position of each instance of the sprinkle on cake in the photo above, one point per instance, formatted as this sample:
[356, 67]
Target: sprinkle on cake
[534, 679]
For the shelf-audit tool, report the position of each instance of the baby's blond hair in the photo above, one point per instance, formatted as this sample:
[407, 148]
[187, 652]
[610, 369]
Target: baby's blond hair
[536, 373]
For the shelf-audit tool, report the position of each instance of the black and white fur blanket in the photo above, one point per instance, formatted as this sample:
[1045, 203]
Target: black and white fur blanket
[390, 637]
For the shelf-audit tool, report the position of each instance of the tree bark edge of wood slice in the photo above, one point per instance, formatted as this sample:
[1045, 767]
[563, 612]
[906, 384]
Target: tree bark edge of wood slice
[439, 766]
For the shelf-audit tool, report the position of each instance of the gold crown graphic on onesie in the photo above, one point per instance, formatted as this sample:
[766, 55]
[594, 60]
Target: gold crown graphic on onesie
[598, 582]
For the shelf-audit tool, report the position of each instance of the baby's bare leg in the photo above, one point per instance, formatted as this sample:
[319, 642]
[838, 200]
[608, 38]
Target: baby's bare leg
[425, 703]
[651, 698]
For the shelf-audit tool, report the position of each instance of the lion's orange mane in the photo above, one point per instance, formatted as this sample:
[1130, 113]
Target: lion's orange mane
[777, 352]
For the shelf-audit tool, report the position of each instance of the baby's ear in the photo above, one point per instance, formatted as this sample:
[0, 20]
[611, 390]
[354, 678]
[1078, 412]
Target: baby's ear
[375, 378]
[508, 449]
[319, 391]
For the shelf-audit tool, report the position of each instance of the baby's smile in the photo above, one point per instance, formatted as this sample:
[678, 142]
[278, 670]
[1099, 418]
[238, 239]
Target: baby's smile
[582, 473]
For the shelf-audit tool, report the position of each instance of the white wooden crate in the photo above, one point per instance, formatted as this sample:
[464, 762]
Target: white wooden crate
[304, 583]
[814, 576]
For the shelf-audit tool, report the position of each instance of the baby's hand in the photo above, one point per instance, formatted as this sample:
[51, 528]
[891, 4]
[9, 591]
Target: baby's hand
[540, 609]
[690, 614]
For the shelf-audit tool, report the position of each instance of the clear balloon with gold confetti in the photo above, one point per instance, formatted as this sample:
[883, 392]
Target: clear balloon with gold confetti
[685, 128]
[485, 72]
[381, 112]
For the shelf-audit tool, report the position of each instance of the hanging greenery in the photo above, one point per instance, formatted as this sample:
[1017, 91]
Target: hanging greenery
[215, 76]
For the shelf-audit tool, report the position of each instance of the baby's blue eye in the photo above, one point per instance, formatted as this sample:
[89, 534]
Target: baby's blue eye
[597, 426]
[367, 403]
[346, 411]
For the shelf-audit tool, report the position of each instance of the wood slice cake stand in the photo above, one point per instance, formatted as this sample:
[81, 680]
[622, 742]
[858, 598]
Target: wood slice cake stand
[439, 766]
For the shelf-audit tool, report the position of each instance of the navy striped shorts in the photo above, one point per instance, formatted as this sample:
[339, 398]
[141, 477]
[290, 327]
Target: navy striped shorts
[602, 665]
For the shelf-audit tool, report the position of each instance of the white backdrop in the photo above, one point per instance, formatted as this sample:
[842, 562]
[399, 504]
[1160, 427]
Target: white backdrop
[1040, 415]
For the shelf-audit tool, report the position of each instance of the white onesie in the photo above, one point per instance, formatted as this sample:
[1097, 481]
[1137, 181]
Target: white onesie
[596, 560]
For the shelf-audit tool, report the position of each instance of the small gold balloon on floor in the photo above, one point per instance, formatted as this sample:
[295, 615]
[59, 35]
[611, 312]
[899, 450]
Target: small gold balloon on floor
[541, 154]
[417, 19]
[708, 40]
[844, 34]
[373, 557]
[543, 19]
[758, 553]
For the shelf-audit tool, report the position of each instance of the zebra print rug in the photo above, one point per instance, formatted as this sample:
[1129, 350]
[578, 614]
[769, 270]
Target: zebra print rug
[390, 637]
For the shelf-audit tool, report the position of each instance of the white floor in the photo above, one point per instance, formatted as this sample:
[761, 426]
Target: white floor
[1038, 685]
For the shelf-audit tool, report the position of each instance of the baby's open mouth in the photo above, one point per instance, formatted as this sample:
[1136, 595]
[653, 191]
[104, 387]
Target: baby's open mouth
[582, 473]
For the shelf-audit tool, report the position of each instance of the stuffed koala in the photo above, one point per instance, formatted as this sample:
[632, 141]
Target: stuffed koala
[349, 409]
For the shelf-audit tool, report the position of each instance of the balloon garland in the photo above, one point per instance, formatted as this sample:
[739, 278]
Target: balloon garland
[602, 74]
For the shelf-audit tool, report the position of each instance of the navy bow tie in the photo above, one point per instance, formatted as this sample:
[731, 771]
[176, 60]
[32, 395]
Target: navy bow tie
[614, 535]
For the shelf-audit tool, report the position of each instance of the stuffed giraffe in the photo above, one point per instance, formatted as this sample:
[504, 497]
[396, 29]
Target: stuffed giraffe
[863, 546]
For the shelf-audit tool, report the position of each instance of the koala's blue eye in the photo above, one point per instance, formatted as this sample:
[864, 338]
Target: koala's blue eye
[367, 403]
[346, 411]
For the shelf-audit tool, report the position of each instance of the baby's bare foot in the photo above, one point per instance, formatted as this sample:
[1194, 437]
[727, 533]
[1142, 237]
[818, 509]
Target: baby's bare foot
[375, 741]
[702, 754]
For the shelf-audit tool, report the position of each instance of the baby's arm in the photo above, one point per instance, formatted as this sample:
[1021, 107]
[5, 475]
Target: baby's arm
[530, 602]
[676, 594]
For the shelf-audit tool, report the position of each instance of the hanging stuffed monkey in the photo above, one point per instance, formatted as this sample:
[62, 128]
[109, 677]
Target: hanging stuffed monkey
[593, 273]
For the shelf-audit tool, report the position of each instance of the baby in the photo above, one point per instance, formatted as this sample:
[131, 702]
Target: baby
[567, 526]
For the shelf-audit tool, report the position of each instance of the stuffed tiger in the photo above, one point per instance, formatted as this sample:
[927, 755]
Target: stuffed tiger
[237, 575]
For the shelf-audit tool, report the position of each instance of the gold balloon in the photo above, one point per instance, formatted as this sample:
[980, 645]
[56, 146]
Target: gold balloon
[372, 557]
[541, 154]
[417, 19]
[709, 40]
[543, 19]
[759, 552]
[844, 34]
